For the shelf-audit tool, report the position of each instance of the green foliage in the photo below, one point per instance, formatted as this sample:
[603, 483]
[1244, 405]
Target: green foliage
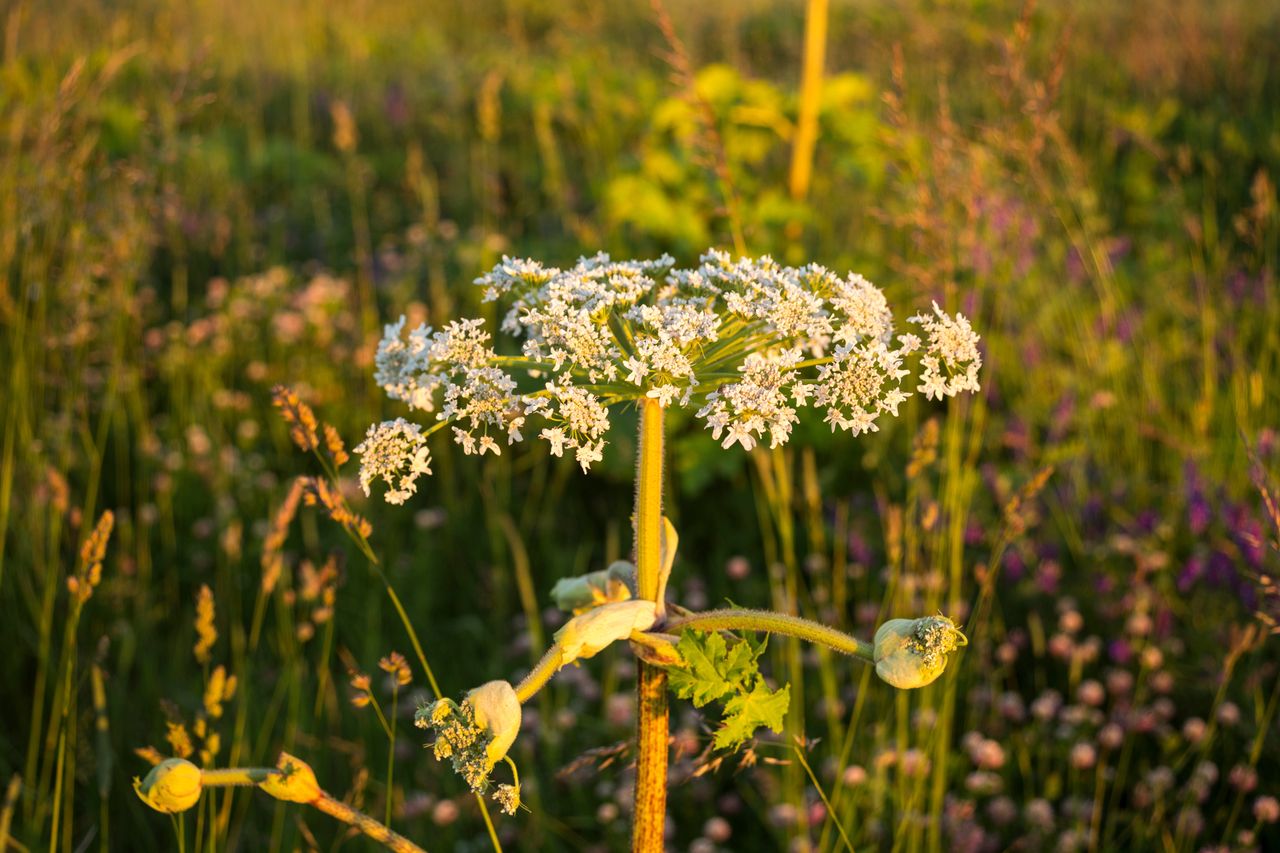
[729, 672]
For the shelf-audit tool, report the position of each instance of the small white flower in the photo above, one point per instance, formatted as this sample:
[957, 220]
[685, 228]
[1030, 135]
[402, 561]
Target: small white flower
[664, 394]
[556, 437]
[466, 440]
[636, 370]
[586, 454]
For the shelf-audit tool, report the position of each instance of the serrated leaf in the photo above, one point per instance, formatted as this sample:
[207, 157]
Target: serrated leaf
[740, 667]
[748, 711]
[702, 680]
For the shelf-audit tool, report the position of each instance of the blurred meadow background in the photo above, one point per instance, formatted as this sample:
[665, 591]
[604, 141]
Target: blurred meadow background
[202, 199]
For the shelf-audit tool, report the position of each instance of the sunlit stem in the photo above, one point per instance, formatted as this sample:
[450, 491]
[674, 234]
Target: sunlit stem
[370, 827]
[651, 689]
[649, 500]
[766, 621]
[230, 776]
[541, 674]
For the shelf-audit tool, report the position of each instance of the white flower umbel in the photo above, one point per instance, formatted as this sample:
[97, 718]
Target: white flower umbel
[747, 344]
[395, 451]
[951, 359]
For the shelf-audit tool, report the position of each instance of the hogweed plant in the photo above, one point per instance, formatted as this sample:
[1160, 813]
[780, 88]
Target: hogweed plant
[746, 345]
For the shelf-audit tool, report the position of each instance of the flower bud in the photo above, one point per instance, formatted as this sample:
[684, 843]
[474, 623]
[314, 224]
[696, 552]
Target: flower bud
[576, 594]
[295, 783]
[622, 572]
[172, 786]
[584, 636]
[913, 652]
[572, 593]
[496, 708]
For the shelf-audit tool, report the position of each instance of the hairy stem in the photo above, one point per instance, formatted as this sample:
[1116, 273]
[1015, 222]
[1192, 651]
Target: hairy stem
[775, 623]
[378, 832]
[651, 690]
[540, 675]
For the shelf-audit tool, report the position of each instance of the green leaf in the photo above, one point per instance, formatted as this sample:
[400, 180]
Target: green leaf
[729, 672]
[746, 712]
[706, 662]
[740, 664]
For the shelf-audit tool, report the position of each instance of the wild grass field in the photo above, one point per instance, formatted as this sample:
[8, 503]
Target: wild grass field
[203, 200]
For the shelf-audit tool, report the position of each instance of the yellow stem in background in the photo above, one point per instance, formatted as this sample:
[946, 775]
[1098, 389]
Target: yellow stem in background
[652, 720]
[806, 136]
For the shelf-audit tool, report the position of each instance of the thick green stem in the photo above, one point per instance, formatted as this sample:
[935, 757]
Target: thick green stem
[651, 689]
[775, 623]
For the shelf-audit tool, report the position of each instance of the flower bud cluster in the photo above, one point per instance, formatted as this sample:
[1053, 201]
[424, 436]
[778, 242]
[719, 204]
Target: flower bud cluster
[911, 653]
[475, 735]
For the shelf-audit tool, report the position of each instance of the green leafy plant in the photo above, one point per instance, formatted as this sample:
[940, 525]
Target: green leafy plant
[728, 671]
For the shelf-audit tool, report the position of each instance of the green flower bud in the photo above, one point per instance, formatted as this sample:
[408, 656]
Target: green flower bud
[911, 653]
[173, 785]
[576, 594]
[624, 573]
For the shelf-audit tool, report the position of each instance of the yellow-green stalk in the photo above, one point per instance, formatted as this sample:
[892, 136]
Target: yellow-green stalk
[651, 690]
[769, 622]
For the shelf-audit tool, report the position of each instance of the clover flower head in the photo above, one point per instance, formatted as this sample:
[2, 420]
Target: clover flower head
[911, 653]
[746, 343]
[395, 451]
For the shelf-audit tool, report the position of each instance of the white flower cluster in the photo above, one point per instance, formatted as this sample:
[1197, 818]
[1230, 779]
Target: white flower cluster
[757, 403]
[582, 422]
[953, 343]
[395, 451]
[747, 342]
